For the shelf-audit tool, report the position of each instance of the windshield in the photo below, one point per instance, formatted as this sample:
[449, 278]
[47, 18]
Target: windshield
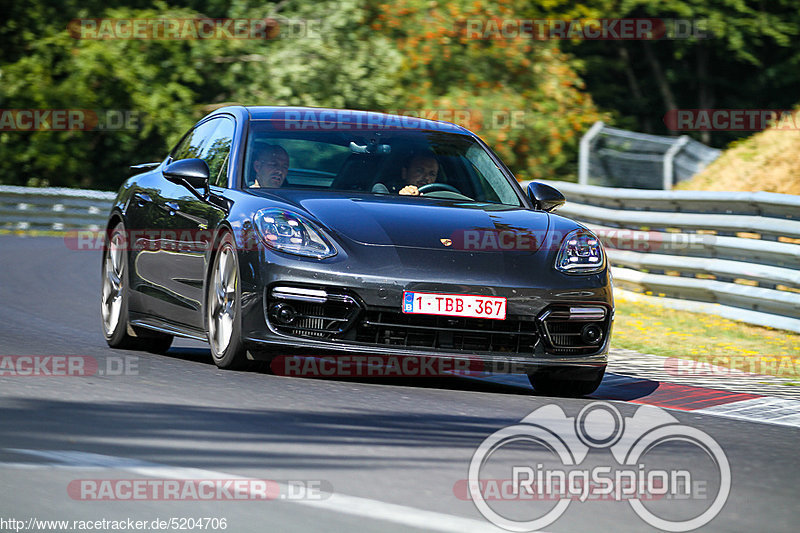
[422, 163]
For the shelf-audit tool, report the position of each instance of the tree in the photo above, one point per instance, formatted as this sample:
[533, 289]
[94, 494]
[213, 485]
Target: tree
[739, 54]
[167, 85]
[523, 97]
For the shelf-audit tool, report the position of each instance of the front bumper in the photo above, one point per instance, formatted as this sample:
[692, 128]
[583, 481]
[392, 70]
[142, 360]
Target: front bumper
[355, 308]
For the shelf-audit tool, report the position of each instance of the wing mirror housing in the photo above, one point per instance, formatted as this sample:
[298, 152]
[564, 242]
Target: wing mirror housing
[193, 172]
[544, 197]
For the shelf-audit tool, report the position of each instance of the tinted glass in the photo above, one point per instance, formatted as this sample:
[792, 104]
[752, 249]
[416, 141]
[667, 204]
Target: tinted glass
[192, 145]
[210, 141]
[216, 152]
[448, 165]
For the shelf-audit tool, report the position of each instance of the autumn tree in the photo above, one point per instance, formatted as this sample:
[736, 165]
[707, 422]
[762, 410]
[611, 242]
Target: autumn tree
[523, 97]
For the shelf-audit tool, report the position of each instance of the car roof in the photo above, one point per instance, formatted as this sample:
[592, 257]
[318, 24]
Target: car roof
[350, 116]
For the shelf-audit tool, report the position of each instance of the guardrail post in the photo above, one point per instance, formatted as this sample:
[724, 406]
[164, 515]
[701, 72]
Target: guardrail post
[583, 154]
[669, 157]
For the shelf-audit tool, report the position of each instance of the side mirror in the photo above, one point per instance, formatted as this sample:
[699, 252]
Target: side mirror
[192, 171]
[545, 197]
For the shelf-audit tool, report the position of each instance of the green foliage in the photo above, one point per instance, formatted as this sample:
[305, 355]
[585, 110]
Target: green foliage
[526, 98]
[170, 84]
[523, 97]
[747, 58]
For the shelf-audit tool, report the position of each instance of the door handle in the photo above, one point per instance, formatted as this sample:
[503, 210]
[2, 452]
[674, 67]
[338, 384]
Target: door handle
[173, 207]
[142, 198]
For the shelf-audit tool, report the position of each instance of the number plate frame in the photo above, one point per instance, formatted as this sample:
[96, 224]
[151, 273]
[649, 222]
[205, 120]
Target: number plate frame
[455, 305]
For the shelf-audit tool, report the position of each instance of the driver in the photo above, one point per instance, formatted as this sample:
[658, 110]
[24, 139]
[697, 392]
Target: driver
[420, 169]
[270, 165]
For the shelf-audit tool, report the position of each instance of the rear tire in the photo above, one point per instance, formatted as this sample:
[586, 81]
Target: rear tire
[570, 382]
[224, 307]
[114, 300]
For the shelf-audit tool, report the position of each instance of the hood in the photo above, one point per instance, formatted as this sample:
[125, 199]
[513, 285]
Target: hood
[422, 222]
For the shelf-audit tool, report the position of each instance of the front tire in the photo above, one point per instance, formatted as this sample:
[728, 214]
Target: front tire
[224, 307]
[114, 300]
[566, 381]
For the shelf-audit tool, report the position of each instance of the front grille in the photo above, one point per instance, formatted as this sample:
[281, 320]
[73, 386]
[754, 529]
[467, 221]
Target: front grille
[315, 316]
[565, 334]
[341, 317]
[563, 327]
[314, 320]
[396, 329]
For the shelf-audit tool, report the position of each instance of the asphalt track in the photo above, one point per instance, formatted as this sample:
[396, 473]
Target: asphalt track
[389, 454]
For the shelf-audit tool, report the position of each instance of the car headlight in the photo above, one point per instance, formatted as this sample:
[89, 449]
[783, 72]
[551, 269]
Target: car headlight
[291, 233]
[581, 253]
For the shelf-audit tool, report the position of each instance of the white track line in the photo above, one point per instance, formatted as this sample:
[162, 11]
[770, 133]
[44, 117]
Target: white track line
[779, 411]
[339, 503]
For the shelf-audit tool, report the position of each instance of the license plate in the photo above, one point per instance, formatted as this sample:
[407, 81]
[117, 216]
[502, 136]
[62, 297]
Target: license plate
[465, 305]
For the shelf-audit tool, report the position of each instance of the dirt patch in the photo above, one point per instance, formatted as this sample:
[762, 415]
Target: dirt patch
[767, 161]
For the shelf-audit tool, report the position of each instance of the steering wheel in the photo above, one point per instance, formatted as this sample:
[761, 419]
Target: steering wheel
[434, 187]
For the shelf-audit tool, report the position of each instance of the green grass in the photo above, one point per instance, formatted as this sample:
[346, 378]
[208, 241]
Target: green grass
[33, 232]
[650, 328]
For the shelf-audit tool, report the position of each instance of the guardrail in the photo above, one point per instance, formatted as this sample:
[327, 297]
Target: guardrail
[620, 158]
[57, 209]
[740, 250]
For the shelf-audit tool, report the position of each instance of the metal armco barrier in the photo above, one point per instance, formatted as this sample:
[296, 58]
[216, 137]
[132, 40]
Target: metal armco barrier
[30, 208]
[737, 249]
[740, 250]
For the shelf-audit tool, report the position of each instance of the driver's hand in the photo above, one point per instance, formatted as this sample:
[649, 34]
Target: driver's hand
[410, 190]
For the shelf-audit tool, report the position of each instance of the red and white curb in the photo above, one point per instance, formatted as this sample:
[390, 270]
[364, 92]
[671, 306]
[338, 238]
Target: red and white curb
[761, 409]
[701, 400]
[704, 374]
[651, 380]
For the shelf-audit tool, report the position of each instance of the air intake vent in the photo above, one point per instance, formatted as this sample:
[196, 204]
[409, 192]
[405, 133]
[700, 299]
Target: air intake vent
[310, 312]
[466, 335]
[573, 330]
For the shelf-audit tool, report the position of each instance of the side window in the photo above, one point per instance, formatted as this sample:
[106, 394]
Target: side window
[216, 152]
[192, 144]
[210, 141]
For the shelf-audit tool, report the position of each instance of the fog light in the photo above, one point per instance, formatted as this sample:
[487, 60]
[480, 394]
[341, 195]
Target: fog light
[284, 313]
[591, 334]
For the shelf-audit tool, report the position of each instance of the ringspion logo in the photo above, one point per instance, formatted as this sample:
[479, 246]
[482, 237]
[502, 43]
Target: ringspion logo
[524, 477]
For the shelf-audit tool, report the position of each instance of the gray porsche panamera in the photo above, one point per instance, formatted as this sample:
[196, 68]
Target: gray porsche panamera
[276, 230]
